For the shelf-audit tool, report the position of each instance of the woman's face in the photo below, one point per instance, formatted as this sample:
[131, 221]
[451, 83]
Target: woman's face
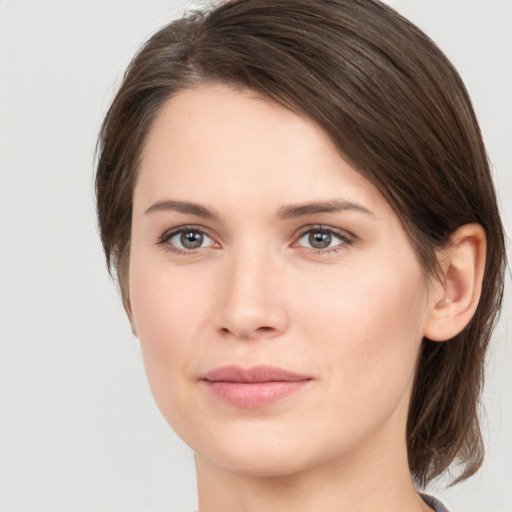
[278, 302]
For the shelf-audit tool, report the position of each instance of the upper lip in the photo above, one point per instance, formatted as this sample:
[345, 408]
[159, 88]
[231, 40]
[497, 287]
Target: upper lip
[254, 374]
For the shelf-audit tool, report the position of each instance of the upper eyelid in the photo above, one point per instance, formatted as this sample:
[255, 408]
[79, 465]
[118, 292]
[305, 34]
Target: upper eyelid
[165, 238]
[341, 233]
[168, 233]
[303, 229]
[346, 239]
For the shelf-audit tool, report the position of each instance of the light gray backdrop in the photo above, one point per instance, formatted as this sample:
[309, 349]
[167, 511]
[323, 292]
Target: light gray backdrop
[78, 428]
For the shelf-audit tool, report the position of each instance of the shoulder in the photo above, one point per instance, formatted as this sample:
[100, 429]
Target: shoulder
[433, 502]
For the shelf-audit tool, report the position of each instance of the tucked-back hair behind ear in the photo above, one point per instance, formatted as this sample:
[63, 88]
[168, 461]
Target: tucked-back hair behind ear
[399, 114]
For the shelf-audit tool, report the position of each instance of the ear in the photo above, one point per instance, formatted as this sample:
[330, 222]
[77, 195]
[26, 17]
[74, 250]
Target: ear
[128, 308]
[123, 279]
[125, 296]
[455, 299]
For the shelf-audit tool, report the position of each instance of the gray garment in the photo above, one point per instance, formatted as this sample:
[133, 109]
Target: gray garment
[433, 502]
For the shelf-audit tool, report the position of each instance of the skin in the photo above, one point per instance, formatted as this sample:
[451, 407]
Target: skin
[350, 316]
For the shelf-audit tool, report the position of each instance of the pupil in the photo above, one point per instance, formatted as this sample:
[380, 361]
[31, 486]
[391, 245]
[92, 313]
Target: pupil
[320, 240]
[191, 240]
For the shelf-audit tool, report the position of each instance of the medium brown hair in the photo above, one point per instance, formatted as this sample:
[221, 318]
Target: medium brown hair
[399, 114]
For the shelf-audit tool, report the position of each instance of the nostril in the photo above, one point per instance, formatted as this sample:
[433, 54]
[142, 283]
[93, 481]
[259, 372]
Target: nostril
[260, 331]
[264, 329]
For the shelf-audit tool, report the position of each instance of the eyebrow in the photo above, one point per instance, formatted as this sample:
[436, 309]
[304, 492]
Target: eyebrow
[331, 206]
[183, 207]
[285, 212]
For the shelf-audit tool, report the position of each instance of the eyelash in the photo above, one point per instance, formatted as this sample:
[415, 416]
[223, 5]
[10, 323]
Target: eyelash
[168, 235]
[346, 239]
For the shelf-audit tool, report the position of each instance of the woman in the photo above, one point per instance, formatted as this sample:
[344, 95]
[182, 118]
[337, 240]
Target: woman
[296, 200]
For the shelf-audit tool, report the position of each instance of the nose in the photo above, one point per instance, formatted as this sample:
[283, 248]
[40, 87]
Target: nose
[252, 302]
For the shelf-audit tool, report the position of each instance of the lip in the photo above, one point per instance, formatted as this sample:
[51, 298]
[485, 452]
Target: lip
[253, 387]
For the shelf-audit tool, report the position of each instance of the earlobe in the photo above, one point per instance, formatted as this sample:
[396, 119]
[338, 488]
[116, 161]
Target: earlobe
[455, 300]
[128, 308]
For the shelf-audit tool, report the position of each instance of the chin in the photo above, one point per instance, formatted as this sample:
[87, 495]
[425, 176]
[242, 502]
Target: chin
[261, 454]
[260, 463]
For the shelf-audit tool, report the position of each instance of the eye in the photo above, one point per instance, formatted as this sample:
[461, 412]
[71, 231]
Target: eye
[324, 239]
[185, 239]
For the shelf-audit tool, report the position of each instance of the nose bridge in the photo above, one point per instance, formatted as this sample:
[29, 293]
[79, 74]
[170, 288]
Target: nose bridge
[251, 305]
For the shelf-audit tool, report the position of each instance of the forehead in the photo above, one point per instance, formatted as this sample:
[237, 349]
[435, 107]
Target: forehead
[217, 119]
[212, 139]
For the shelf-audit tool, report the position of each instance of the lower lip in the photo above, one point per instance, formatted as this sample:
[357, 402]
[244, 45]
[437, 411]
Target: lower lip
[250, 395]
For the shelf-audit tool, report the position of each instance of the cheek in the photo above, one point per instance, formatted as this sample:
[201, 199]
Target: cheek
[368, 329]
[166, 316]
[365, 300]
[167, 301]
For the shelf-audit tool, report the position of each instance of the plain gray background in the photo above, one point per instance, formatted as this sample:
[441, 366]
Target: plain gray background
[78, 427]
